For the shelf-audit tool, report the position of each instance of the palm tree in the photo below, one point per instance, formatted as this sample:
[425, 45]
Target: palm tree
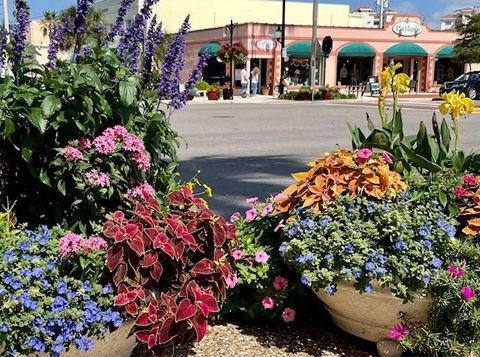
[49, 18]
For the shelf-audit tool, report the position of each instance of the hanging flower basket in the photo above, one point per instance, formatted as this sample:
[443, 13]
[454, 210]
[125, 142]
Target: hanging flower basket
[235, 52]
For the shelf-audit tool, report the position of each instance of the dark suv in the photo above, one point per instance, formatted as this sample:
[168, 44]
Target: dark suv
[468, 83]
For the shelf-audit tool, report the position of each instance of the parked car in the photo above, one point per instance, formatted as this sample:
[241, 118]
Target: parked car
[468, 83]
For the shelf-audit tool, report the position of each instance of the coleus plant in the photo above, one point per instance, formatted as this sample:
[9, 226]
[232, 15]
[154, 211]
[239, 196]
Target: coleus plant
[170, 268]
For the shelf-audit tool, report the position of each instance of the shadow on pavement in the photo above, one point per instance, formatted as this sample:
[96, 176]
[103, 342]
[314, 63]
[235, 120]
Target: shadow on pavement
[235, 179]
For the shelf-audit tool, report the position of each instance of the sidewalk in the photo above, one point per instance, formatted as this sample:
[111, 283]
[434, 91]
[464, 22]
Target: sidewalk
[259, 99]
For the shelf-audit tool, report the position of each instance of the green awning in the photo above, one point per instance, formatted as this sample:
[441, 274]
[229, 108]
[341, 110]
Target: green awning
[301, 49]
[406, 49]
[446, 52]
[357, 50]
[210, 48]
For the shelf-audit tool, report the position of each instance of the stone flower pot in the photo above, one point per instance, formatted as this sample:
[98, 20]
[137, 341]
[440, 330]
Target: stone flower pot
[371, 316]
[115, 344]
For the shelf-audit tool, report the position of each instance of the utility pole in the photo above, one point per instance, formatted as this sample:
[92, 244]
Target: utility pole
[382, 13]
[281, 87]
[313, 55]
[231, 29]
[6, 23]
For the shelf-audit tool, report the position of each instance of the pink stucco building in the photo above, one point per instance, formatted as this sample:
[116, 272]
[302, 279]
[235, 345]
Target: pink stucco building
[427, 55]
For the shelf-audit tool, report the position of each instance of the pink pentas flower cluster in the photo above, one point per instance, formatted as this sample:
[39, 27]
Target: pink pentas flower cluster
[72, 154]
[142, 161]
[140, 190]
[470, 180]
[96, 178]
[398, 332]
[85, 143]
[105, 144]
[133, 144]
[72, 244]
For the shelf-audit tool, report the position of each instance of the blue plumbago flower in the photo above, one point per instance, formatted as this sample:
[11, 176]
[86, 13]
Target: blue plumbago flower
[4, 327]
[27, 302]
[426, 279]
[436, 262]
[7, 279]
[370, 266]
[36, 344]
[386, 208]
[51, 265]
[324, 222]
[351, 208]
[368, 288]
[357, 273]
[305, 280]
[303, 259]
[106, 290]
[424, 231]
[346, 271]
[37, 272]
[172, 67]
[23, 246]
[10, 256]
[330, 290]
[371, 208]
[283, 248]
[58, 34]
[117, 319]
[451, 231]
[300, 210]
[62, 288]
[20, 29]
[441, 223]
[328, 257]
[435, 201]
[3, 45]
[427, 243]
[348, 249]
[292, 231]
[309, 223]
[86, 286]
[405, 194]
[400, 245]
[81, 13]
[119, 22]
[84, 344]
[381, 271]
[154, 39]
[58, 303]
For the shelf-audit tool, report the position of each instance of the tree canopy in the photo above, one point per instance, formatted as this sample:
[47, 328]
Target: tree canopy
[467, 46]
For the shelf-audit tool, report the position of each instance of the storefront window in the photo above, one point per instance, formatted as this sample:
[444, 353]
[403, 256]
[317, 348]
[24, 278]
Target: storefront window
[447, 69]
[297, 72]
[354, 70]
[214, 72]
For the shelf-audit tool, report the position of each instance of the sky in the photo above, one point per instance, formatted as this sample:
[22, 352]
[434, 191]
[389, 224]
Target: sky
[430, 9]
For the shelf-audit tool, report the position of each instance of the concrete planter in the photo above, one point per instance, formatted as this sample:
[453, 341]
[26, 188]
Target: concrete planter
[371, 316]
[115, 344]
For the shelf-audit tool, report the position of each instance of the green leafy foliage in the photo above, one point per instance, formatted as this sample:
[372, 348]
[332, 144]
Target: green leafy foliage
[47, 109]
[467, 47]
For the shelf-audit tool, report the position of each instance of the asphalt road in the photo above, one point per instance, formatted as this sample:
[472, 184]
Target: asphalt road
[246, 150]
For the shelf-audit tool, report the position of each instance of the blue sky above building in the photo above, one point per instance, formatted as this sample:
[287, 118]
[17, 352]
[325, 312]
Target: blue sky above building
[431, 10]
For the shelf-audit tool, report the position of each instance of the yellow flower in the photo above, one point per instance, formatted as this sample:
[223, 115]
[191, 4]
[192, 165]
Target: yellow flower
[456, 104]
[393, 82]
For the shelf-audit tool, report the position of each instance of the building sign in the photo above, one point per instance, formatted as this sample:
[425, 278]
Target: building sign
[266, 44]
[407, 28]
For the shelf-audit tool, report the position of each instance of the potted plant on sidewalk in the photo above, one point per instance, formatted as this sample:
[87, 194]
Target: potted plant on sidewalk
[213, 92]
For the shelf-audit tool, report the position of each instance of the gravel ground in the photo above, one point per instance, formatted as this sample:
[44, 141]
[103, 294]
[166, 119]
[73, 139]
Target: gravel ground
[242, 340]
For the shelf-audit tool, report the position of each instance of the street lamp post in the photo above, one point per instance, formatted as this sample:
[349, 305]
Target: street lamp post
[231, 28]
[281, 87]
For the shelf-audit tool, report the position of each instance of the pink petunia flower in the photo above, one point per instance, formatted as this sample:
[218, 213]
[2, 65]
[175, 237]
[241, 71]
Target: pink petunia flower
[398, 332]
[279, 226]
[364, 153]
[280, 283]
[467, 293]
[96, 178]
[72, 154]
[235, 217]
[456, 272]
[142, 161]
[70, 243]
[288, 315]
[470, 180]
[261, 257]
[231, 281]
[85, 143]
[280, 196]
[252, 200]
[250, 215]
[386, 156]
[268, 303]
[268, 209]
[461, 192]
[105, 144]
[237, 254]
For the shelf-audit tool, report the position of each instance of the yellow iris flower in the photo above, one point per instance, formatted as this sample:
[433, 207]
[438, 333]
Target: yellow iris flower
[456, 104]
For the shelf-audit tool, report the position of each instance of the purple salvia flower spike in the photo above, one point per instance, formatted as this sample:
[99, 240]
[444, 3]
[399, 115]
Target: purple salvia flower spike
[20, 29]
[118, 26]
[81, 13]
[58, 33]
[155, 37]
[173, 64]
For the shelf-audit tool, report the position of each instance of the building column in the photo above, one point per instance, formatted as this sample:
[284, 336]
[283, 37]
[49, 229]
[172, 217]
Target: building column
[378, 65]
[430, 68]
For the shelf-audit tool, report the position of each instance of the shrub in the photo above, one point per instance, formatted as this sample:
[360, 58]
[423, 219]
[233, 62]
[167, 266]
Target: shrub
[265, 287]
[170, 269]
[202, 85]
[50, 302]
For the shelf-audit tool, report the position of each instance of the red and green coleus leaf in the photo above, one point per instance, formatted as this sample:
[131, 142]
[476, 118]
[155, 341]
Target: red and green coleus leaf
[149, 337]
[203, 267]
[205, 302]
[200, 324]
[120, 274]
[156, 271]
[137, 245]
[186, 310]
[149, 259]
[115, 255]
